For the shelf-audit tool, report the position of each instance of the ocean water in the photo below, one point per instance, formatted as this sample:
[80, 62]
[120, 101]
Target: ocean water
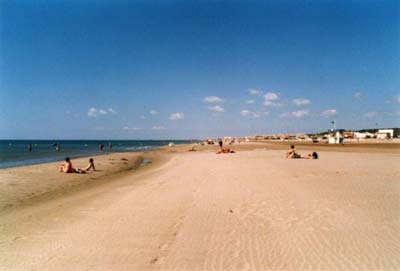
[14, 153]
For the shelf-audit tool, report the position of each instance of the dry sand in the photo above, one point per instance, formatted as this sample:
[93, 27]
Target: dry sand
[252, 210]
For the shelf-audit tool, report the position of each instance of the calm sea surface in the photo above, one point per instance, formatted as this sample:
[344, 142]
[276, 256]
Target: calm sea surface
[14, 153]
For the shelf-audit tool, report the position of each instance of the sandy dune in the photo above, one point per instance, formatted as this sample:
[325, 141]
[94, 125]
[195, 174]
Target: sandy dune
[252, 210]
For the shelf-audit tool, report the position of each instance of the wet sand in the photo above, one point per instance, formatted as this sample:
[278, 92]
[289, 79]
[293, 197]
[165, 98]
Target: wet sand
[251, 210]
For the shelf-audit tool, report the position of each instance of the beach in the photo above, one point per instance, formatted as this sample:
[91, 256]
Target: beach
[248, 210]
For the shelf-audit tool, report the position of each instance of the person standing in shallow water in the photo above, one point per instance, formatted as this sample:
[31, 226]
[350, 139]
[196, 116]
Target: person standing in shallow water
[109, 146]
[101, 146]
[58, 147]
[30, 147]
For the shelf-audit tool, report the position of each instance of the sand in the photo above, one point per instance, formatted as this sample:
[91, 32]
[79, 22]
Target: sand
[252, 210]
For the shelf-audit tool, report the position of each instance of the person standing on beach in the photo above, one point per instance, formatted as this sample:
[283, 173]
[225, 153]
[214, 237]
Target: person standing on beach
[109, 146]
[101, 146]
[30, 147]
[220, 143]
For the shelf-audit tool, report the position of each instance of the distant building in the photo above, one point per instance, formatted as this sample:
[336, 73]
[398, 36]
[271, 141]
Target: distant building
[384, 133]
[363, 135]
[348, 134]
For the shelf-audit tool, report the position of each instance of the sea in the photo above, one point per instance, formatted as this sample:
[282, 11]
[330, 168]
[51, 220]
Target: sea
[15, 153]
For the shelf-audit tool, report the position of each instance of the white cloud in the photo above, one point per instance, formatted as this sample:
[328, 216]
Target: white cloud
[247, 113]
[154, 112]
[270, 99]
[158, 128]
[212, 99]
[250, 101]
[271, 96]
[357, 95]
[253, 91]
[216, 108]
[370, 114]
[102, 112]
[285, 115]
[395, 99]
[295, 114]
[300, 113]
[272, 104]
[127, 128]
[176, 116]
[94, 112]
[244, 112]
[301, 101]
[329, 113]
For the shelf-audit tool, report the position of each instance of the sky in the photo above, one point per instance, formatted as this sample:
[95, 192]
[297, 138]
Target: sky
[193, 69]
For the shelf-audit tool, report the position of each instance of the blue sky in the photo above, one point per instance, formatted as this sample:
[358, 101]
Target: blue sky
[191, 69]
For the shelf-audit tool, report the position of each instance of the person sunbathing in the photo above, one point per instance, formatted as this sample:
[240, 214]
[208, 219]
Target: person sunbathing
[225, 151]
[293, 154]
[90, 166]
[313, 155]
[67, 166]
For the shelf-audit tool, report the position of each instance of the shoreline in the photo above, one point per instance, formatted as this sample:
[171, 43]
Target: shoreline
[28, 185]
[350, 146]
[15, 154]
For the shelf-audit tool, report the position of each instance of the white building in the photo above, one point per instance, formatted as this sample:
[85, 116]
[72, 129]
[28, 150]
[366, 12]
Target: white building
[363, 135]
[385, 133]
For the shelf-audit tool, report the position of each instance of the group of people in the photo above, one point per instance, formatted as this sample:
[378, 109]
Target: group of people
[67, 167]
[292, 153]
[58, 147]
[222, 149]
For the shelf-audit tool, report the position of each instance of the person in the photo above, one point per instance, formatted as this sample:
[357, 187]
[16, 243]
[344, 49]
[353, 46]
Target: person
[292, 153]
[101, 146]
[313, 155]
[220, 143]
[90, 166]
[67, 166]
[58, 147]
[110, 146]
[30, 147]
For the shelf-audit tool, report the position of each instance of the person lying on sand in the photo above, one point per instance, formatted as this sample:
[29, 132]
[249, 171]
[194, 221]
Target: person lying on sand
[313, 155]
[225, 151]
[292, 153]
